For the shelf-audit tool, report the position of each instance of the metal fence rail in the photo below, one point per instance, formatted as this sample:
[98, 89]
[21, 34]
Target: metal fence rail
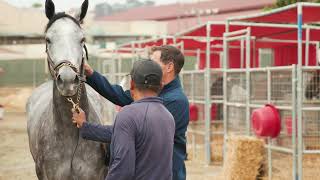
[225, 99]
[278, 86]
[194, 86]
[267, 86]
[241, 91]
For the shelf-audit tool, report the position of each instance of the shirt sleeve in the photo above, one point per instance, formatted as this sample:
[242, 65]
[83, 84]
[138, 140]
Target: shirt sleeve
[96, 132]
[113, 93]
[178, 109]
[122, 165]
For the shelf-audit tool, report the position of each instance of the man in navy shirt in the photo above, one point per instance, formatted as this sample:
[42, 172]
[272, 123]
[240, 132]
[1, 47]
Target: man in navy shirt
[171, 61]
[143, 132]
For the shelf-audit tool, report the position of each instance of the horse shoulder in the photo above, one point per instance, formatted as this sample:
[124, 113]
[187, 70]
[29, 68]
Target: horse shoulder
[39, 101]
[38, 107]
[41, 94]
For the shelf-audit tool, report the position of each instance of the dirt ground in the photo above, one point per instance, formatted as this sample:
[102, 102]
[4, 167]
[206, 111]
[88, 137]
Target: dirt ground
[15, 159]
[16, 162]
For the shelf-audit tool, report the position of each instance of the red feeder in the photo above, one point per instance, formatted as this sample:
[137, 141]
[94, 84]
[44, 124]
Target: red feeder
[214, 110]
[194, 112]
[266, 121]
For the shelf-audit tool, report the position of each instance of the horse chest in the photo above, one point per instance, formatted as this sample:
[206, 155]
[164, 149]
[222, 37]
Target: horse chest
[57, 149]
[58, 138]
[65, 155]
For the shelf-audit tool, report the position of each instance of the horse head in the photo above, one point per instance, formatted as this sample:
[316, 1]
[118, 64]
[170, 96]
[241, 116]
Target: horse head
[65, 48]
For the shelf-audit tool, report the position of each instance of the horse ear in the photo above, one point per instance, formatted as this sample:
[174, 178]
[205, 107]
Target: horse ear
[84, 9]
[50, 9]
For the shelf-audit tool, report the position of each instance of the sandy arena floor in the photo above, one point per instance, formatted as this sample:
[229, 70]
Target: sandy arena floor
[16, 162]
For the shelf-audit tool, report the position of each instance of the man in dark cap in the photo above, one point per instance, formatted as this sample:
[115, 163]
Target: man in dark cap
[171, 61]
[143, 132]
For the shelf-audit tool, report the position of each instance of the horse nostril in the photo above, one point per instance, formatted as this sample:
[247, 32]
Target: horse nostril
[59, 78]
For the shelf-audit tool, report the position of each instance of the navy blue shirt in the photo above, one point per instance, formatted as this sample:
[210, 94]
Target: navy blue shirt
[141, 143]
[174, 100]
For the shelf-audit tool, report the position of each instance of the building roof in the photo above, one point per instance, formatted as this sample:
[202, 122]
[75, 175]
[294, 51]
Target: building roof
[178, 10]
[178, 25]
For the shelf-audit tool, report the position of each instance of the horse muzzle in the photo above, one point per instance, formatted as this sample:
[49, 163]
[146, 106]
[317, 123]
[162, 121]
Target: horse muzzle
[67, 81]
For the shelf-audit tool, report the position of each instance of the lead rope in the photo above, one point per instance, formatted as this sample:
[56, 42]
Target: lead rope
[76, 107]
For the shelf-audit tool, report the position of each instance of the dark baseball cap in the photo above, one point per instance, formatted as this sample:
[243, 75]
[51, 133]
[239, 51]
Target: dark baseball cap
[146, 72]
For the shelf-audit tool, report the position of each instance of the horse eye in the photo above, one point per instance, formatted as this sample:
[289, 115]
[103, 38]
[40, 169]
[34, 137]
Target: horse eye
[48, 40]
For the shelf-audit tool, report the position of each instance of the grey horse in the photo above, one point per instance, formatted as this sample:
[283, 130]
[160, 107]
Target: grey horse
[58, 151]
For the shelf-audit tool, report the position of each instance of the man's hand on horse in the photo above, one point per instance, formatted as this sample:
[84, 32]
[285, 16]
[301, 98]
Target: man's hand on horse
[88, 70]
[78, 118]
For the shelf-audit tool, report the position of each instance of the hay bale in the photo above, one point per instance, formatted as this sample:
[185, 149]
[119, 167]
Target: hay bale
[244, 158]
[217, 148]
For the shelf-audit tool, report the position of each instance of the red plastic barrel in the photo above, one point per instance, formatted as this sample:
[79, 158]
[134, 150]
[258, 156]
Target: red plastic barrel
[266, 121]
[214, 110]
[194, 112]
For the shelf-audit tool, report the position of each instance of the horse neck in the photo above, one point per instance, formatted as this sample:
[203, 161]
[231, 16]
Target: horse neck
[62, 107]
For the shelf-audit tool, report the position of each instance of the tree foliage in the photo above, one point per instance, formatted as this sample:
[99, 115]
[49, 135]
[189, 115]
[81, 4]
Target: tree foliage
[104, 9]
[36, 5]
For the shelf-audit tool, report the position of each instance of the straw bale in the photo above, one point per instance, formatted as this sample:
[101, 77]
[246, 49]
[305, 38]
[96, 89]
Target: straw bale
[245, 156]
[217, 148]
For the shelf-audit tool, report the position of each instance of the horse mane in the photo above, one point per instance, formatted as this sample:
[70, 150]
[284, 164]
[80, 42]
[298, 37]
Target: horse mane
[59, 16]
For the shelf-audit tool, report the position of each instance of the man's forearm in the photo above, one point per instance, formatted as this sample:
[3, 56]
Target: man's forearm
[96, 132]
[113, 93]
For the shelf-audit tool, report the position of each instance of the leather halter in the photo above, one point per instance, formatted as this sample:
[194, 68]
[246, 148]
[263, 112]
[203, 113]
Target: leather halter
[54, 68]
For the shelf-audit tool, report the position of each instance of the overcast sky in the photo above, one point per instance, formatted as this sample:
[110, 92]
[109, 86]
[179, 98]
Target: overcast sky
[63, 5]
